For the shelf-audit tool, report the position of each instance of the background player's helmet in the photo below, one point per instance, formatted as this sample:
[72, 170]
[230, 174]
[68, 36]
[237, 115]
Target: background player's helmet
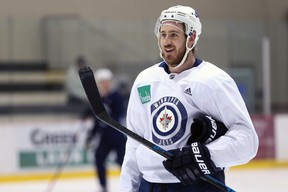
[104, 80]
[103, 74]
[186, 15]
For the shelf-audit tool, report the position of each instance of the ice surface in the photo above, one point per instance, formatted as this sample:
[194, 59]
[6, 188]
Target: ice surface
[252, 180]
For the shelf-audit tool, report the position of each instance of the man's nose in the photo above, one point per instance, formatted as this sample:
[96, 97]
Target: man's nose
[167, 41]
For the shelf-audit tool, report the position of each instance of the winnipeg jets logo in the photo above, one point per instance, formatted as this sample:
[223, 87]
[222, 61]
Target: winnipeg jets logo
[169, 120]
[165, 120]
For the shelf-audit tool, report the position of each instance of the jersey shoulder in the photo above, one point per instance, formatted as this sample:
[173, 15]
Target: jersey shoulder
[150, 73]
[208, 76]
[211, 73]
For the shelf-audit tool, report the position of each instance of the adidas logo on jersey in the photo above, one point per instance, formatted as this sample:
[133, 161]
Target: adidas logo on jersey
[188, 91]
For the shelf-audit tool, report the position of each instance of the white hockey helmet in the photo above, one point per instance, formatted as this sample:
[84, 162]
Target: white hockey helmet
[103, 74]
[183, 14]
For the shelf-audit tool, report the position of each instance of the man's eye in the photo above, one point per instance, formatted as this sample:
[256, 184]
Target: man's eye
[173, 35]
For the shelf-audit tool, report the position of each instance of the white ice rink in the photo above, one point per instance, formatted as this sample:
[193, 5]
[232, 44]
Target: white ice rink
[258, 180]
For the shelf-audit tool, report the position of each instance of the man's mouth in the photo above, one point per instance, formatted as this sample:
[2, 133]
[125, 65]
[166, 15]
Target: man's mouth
[169, 50]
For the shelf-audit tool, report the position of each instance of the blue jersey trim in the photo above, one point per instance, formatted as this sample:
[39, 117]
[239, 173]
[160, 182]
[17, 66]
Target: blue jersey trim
[166, 68]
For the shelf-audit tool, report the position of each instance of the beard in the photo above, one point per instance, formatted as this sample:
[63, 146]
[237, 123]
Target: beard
[173, 59]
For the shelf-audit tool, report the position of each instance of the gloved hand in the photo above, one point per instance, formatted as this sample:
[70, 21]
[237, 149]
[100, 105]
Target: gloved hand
[190, 163]
[205, 129]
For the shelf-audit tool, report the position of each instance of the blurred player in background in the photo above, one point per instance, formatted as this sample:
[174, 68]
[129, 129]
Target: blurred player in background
[110, 139]
[184, 104]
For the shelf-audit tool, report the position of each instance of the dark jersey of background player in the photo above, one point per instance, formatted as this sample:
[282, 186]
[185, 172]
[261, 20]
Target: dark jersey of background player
[110, 139]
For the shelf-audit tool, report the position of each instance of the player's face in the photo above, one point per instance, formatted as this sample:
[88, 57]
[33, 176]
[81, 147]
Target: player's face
[172, 41]
[104, 86]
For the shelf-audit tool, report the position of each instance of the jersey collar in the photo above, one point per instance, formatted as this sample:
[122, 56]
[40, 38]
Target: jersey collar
[166, 68]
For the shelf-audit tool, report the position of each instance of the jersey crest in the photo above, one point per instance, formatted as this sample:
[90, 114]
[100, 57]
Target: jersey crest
[169, 118]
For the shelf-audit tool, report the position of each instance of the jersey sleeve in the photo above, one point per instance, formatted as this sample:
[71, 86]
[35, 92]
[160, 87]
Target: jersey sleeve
[130, 174]
[240, 144]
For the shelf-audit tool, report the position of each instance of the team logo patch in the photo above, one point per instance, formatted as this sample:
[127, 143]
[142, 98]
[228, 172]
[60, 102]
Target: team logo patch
[144, 94]
[169, 120]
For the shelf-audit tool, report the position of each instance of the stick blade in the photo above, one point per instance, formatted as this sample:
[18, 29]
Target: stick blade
[90, 87]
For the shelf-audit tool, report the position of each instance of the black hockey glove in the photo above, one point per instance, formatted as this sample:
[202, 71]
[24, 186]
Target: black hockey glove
[190, 163]
[205, 129]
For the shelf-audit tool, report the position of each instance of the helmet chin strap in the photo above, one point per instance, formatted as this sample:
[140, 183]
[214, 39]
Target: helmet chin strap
[184, 57]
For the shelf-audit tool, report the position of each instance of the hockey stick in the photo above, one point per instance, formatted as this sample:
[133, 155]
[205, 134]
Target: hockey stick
[89, 84]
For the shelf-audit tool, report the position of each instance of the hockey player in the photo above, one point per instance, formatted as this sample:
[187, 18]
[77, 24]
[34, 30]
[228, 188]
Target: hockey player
[167, 98]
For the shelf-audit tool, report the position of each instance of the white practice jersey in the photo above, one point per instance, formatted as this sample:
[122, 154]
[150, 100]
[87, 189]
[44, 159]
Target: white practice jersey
[161, 109]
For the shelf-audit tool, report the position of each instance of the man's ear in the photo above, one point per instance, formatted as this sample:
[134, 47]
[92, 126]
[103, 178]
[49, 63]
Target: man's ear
[192, 40]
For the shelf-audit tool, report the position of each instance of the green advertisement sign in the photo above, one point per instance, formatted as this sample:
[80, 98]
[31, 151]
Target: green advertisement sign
[46, 159]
